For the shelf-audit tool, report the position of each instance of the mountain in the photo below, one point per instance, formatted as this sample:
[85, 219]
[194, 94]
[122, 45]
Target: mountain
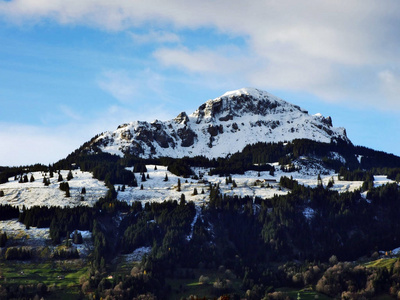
[219, 127]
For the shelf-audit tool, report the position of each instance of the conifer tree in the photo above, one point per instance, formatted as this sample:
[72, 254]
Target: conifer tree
[319, 180]
[183, 200]
[77, 238]
[194, 192]
[83, 191]
[32, 178]
[179, 185]
[272, 171]
[143, 177]
[166, 177]
[60, 178]
[3, 239]
[1, 193]
[69, 176]
[134, 181]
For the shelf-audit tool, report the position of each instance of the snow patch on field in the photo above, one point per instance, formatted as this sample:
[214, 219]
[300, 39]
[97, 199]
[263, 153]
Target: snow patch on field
[380, 180]
[36, 193]
[136, 255]
[17, 230]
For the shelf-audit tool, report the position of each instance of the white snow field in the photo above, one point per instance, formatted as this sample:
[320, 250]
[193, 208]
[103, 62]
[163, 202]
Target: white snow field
[36, 193]
[17, 230]
[155, 189]
[264, 186]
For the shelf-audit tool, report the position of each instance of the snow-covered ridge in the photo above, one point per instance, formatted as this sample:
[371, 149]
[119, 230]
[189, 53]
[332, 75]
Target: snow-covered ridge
[219, 127]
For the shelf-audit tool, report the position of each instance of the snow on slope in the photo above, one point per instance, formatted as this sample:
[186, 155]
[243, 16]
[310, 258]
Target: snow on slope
[219, 127]
[250, 184]
[35, 193]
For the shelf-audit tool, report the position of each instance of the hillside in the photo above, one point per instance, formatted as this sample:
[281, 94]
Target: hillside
[249, 197]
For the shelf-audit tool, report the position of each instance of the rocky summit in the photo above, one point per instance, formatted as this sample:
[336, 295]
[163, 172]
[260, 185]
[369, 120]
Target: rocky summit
[219, 127]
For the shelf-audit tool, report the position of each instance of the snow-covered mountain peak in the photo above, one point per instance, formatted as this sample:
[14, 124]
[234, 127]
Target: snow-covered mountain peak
[246, 101]
[255, 93]
[219, 127]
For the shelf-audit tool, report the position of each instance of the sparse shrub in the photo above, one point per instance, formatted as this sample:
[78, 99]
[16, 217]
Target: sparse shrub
[204, 279]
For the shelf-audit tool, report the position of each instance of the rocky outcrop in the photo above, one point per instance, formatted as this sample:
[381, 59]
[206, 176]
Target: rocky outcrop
[219, 127]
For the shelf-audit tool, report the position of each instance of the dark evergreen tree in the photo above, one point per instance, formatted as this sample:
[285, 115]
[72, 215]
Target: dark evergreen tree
[183, 199]
[3, 239]
[272, 171]
[69, 176]
[77, 237]
[143, 177]
[32, 179]
[179, 185]
[83, 191]
[166, 177]
[60, 178]
[1, 193]
[319, 180]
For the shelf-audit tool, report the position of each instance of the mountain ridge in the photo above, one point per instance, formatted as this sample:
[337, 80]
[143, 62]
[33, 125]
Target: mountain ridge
[219, 127]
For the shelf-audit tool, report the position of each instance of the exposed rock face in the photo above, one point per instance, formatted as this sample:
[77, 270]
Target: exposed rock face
[219, 127]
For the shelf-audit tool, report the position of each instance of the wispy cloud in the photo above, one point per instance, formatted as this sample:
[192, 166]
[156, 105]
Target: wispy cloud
[28, 144]
[155, 37]
[390, 85]
[119, 84]
[70, 113]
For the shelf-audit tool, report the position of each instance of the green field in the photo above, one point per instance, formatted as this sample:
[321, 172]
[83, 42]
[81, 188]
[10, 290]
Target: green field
[381, 263]
[186, 287]
[305, 294]
[61, 276]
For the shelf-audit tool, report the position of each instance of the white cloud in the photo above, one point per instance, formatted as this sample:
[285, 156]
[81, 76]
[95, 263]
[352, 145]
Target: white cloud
[155, 36]
[70, 113]
[390, 85]
[297, 45]
[220, 61]
[30, 144]
[119, 84]
[34, 144]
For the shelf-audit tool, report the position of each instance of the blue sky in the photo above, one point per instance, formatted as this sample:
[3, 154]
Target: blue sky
[72, 69]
